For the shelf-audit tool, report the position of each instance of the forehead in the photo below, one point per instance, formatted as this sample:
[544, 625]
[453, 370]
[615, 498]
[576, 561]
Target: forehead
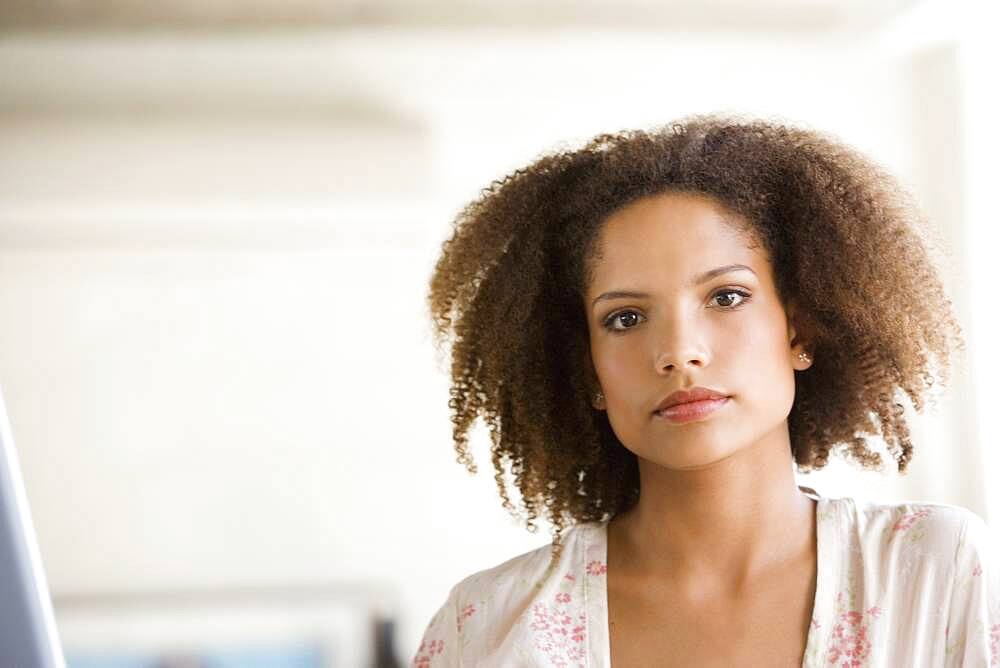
[670, 237]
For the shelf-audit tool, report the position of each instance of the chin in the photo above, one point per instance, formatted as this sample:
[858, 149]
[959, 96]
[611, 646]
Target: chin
[688, 454]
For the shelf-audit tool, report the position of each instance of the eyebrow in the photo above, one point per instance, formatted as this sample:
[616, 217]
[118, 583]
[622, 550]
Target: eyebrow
[698, 280]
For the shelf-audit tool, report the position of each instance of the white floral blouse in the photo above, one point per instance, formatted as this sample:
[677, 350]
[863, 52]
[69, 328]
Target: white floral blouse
[907, 584]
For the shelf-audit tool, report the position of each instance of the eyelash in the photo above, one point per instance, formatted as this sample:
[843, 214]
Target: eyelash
[742, 293]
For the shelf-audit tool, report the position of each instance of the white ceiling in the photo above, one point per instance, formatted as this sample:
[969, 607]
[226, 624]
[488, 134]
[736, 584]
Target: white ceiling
[763, 15]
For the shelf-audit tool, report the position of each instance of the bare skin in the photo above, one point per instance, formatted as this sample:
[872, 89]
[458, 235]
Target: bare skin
[716, 564]
[663, 618]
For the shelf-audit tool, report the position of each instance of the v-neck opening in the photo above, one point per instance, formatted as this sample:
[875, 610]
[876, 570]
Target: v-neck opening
[599, 549]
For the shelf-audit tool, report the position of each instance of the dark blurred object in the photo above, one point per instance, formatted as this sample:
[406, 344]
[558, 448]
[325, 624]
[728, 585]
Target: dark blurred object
[384, 652]
[180, 661]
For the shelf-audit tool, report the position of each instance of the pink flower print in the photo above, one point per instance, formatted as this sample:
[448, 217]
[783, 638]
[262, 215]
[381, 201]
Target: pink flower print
[432, 648]
[566, 586]
[542, 618]
[978, 570]
[467, 612]
[909, 519]
[995, 645]
[874, 611]
[559, 635]
[559, 630]
[596, 568]
[850, 642]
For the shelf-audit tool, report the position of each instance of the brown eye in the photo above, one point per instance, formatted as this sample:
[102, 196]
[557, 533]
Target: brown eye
[621, 317]
[743, 298]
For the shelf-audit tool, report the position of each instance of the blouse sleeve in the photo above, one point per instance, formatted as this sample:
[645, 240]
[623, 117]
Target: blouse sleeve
[973, 631]
[440, 644]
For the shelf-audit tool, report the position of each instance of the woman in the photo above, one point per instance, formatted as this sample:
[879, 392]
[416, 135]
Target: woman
[657, 328]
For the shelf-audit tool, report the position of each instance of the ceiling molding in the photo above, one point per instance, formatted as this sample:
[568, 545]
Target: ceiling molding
[741, 15]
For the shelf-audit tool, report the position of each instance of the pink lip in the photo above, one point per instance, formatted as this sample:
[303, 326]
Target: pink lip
[693, 410]
[688, 396]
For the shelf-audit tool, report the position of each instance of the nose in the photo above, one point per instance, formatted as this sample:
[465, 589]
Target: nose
[679, 352]
[667, 363]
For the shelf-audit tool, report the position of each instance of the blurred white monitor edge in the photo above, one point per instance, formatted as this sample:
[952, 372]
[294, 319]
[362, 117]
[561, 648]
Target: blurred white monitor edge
[28, 634]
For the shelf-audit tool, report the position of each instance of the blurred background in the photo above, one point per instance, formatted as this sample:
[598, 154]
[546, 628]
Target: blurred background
[217, 223]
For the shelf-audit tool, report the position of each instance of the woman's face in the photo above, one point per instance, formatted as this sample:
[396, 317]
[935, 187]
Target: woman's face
[683, 327]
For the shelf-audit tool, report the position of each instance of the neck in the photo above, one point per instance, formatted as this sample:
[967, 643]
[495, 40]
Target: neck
[720, 529]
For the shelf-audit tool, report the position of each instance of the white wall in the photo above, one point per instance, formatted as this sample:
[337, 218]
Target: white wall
[215, 249]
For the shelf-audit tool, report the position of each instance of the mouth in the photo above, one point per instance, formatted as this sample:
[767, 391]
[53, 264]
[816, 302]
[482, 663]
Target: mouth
[692, 410]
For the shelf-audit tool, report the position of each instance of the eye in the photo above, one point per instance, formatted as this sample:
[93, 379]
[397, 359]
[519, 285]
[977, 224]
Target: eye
[614, 317]
[744, 297]
[630, 316]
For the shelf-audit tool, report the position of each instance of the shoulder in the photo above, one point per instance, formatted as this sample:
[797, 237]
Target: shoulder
[518, 612]
[902, 516]
[935, 527]
[529, 569]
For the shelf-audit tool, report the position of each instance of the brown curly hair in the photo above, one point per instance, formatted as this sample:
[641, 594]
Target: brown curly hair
[846, 242]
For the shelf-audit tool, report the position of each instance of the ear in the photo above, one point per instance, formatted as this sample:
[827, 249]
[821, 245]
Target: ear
[801, 336]
[593, 386]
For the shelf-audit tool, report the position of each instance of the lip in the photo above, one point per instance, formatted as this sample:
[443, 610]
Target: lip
[689, 411]
[694, 395]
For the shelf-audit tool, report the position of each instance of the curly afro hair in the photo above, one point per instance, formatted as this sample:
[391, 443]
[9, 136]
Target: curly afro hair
[846, 243]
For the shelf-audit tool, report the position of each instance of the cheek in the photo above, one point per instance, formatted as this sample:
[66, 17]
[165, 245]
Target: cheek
[623, 372]
[614, 368]
[764, 352]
